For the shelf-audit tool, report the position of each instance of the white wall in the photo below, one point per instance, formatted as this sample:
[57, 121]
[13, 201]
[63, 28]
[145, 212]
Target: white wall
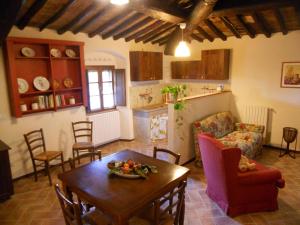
[256, 74]
[57, 125]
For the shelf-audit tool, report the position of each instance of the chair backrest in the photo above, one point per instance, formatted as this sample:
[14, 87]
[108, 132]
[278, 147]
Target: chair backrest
[177, 197]
[168, 152]
[91, 155]
[71, 210]
[83, 130]
[35, 141]
[220, 165]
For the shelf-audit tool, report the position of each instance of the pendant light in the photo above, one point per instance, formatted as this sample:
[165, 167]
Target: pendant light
[182, 50]
[119, 2]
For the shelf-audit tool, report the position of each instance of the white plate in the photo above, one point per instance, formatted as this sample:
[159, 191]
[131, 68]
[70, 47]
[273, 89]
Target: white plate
[130, 176]
[70, 53]
[55, 52]
[41, 83]
[28, 52]
[22, 85]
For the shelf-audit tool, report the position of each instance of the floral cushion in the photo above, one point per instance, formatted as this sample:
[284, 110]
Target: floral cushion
[248, 137]
[248, 142]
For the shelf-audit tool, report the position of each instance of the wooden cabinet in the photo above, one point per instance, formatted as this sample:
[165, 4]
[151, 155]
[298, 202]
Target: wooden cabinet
[65, 74]
[145, 66]
[187, 70]
[215, 64]
[6, 187]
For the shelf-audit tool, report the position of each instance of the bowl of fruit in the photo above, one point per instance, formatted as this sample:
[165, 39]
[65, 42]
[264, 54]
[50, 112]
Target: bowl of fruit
[130, 169]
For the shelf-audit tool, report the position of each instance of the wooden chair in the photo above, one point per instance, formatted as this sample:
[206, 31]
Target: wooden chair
[175, 155]
[91, 155]
[37, 147]
[74, 216]
[159, 213]
[83, 135]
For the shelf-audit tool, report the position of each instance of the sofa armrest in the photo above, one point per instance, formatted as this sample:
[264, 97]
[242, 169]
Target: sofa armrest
[249, 127]
[261, 177]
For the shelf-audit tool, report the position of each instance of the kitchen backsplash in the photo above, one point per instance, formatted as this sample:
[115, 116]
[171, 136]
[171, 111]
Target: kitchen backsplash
[146, 95]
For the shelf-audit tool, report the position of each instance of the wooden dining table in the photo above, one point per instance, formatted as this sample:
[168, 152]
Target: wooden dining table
[121, 198]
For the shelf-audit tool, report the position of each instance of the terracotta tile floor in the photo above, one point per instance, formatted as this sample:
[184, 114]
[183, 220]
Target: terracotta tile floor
[35, 203]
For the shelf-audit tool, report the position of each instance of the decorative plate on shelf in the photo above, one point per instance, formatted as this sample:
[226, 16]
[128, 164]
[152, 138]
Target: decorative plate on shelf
[55, 52]
[68, 82]
[55, 84]
[28, 52]
[70, 53]
[41, 83]
[22, 85]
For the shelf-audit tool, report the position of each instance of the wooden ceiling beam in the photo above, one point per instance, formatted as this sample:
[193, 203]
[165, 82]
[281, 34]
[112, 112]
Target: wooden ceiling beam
[153, 32]
[158, 9]
[76, 19]
[144, 30]
[163, 43]
[7, 18]
[260, 21]
[161, 39]
[155, 35]
[280, 21]
[196, 37]
[204, 34]
[200, 12]
[25, 19]
[214, 29]
[110, 23]
[248, 7]
[93, 19]
[230, 26]
[57, 15]
[249, 30]
[297, 9]
[120, 27]
[136, 26]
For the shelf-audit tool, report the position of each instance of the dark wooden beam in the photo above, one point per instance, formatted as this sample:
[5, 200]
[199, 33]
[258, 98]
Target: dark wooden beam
[249, 30]
[247, 7]
[120, 27]
[143, 31]
[8, 16]
[196, 37]
[110, 23]
[163, 42]
[297, 9]
[230, 26]
[280, 21]
[214, 29]
[161, 39]
[204, 34]
[155, 35]
[25, 19]
[158, 9]
[259, 20]
[133, 28]
[153, 32]
[93, 19]
[76, 19]
[56, 16]
[200, 12]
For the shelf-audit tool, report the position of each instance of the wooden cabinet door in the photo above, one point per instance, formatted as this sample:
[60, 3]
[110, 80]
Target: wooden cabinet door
[156, 65]
[178, 70]
[186, 70]
[216, 64]
[194, 70]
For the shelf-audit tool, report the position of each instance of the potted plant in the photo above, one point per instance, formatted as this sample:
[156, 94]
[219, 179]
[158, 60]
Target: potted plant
[175, 94]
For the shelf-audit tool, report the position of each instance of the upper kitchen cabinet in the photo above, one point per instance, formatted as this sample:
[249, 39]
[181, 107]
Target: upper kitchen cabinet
[215, 64]
[145, 66]
[186, 70]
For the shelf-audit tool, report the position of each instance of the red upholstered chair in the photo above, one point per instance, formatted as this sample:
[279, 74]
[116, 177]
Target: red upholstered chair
[235, 192]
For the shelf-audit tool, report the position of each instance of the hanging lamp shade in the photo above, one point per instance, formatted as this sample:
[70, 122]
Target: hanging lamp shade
[182, 50]
[119, 2]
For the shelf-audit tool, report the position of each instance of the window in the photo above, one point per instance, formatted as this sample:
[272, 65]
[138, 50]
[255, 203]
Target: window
[101, 91]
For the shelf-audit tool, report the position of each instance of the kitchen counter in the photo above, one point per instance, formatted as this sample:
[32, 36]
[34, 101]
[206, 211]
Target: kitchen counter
[151, 108]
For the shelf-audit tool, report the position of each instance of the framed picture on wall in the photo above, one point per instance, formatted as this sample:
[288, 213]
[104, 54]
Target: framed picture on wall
[290, 75]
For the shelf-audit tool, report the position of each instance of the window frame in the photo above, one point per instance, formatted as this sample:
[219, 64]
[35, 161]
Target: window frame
[99, 69]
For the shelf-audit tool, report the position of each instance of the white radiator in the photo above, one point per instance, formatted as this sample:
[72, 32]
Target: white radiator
[256, 115]
[106, 127]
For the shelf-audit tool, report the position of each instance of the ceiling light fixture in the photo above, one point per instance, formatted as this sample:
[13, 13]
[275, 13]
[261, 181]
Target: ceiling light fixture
[119, 2]
[182, 50]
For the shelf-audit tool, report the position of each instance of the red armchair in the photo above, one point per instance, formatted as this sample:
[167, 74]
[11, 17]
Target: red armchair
[235, 192]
